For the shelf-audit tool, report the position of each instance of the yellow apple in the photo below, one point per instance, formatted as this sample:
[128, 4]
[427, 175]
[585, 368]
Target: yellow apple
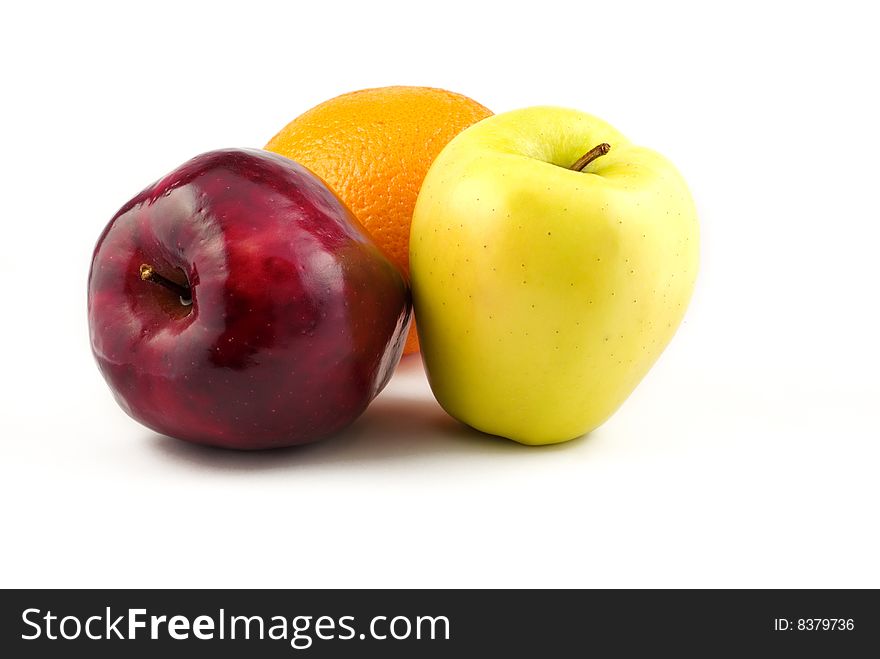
[545, 289]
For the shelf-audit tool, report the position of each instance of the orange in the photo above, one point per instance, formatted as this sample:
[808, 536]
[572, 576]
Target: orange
[373, 148]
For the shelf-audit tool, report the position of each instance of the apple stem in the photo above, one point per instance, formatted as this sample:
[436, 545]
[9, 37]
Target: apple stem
[184, 292]
[590, 156]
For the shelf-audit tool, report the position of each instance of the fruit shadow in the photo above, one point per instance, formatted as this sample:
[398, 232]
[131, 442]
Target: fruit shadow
[393, 428]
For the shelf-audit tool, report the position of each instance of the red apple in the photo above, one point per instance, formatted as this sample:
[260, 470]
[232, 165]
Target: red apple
[237, 302]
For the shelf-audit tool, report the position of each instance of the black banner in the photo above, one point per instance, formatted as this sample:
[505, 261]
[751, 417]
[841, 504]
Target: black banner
[437, 623]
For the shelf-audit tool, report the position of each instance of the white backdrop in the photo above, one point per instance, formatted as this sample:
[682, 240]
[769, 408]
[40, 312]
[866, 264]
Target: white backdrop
[748, 456]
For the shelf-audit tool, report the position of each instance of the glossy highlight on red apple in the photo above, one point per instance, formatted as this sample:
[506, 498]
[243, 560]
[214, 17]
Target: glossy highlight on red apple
[238, 303]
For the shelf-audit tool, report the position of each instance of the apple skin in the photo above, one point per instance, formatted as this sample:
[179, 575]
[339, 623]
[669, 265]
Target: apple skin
[544, 294]
[297, 319]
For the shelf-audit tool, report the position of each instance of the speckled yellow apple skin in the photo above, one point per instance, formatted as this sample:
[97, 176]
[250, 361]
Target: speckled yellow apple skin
[544, 295]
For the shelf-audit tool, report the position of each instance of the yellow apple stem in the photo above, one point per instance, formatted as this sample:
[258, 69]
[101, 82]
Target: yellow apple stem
[590, 156]
[149, 274]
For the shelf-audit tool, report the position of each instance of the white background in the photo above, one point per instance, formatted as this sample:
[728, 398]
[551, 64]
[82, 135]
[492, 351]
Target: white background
[748, 456]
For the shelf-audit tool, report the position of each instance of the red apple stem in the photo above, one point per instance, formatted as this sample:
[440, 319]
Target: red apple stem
[590, 156]
[149, 274]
